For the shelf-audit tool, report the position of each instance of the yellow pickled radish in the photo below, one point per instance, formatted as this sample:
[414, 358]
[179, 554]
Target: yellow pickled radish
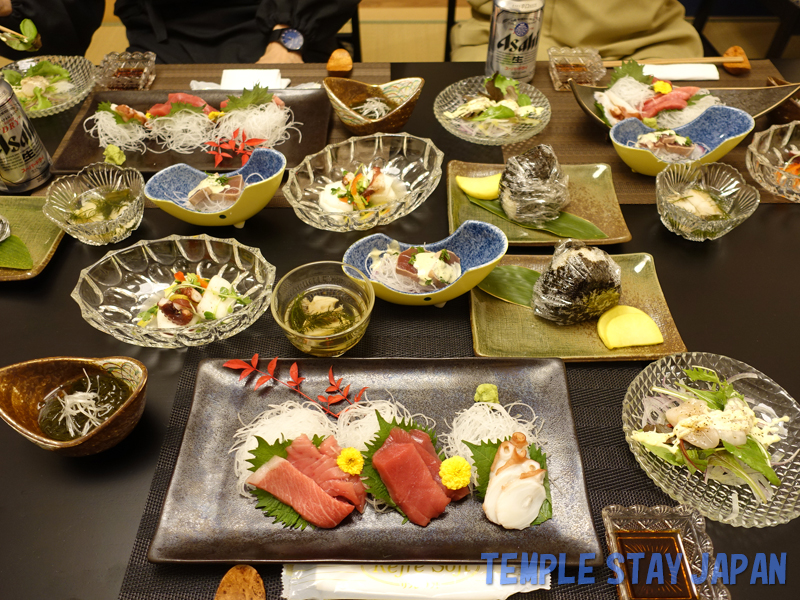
[606, 317]
[483, 188]
[631, 329]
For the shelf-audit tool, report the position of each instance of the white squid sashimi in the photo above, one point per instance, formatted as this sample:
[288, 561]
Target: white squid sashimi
[516, 490]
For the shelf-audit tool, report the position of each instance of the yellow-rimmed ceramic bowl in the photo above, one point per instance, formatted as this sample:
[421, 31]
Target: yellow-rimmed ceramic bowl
[478, 245]
[719, 129]
[169, 189]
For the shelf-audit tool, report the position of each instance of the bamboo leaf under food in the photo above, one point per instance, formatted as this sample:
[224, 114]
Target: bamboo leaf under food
[566, 225]
[511, 283]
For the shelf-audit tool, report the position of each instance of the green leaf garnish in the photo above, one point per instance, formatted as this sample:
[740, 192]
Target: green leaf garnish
[27, 43]
[281, 513]
[630, 68]
[495, 112]
[14, 254]
[511, 283]
[753, 455]
[255, 97]
[483, 456]
[177, 107]
[12, 77]
[566, 225]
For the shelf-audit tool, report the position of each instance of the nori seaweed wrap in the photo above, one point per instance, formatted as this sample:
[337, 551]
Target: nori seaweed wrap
[580, 283]
[533, 188]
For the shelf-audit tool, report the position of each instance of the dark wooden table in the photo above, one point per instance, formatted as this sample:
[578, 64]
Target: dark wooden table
[68, 525]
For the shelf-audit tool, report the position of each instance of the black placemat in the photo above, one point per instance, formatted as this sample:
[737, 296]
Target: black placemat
[612, 474]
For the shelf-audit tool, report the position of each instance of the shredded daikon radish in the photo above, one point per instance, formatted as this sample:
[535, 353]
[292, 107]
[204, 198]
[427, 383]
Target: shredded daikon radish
[130, 137]
[184, 132]
[280, 421]
[268, 122]
[358, 424]
[670, 119]
[485, 421]
[373, 108]
[632, 91]
[734, 506]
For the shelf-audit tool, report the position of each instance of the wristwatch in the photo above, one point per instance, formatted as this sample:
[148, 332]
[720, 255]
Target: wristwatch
[291, 39]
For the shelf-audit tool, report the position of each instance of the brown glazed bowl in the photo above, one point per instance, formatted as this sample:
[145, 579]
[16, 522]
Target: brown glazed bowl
[346, 93]
[24, 385]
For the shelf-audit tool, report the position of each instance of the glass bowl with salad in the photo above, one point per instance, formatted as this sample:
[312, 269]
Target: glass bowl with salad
[364, 182]
[102, 204]
[177, 291]
[704, 201]
[492, 111]
[48, 85]
[773, 159]
[717, 435]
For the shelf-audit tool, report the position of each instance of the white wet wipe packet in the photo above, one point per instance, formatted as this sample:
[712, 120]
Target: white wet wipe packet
[241, 79]
[683, 72]
[400, 582]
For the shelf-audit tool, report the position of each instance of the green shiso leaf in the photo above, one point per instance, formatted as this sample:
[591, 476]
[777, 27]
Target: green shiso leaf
[280, 512]
[255, 97]
[177, 107]
[106, 107]
[483, 456]
[566, 225]
[546, 511]
[369, 475]
[630, 68]
[14, 254]
[511, 283]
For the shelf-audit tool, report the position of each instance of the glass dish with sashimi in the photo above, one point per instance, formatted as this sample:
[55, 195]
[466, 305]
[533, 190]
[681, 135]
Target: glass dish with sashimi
[658, 103]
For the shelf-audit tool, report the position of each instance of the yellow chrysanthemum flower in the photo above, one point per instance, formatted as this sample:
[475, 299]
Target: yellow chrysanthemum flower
[455, 472]
[662, 87]
[215, 114]
[350, 461]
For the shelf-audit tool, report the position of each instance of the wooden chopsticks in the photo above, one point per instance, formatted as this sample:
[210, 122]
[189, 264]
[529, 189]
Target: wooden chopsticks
[713, 60]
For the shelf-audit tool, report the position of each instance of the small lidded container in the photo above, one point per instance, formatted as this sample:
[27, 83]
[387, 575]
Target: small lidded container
[584, 65]
[127, 71]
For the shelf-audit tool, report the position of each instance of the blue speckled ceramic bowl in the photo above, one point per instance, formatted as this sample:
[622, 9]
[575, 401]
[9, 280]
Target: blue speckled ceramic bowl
[478, 245]
[719, 129]
[169, 189]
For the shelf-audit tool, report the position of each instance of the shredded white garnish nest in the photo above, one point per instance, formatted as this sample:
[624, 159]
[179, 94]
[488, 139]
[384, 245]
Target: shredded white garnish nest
[487, 421]
[82, 403]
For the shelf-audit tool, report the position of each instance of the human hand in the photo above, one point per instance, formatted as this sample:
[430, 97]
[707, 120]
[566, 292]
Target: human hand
[277, 53]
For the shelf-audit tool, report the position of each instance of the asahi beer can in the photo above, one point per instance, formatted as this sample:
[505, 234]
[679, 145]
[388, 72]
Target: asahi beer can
[24, 162]
[513, 38]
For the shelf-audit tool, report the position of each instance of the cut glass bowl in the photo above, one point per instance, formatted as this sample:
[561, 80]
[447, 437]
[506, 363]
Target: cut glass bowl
[767, 155]
[127, 71]
[415, 161]
[738, 199]
[65, 194]
[455, 95]
[115, 290]
[82, 74]
[713, 499]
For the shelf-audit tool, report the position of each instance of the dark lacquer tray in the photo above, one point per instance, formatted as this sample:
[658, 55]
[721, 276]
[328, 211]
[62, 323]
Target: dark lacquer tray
[204, 519]
[78, 148]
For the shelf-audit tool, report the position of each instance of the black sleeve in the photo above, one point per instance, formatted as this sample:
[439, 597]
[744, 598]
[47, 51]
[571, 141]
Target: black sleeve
[66, 26]
[317, 20]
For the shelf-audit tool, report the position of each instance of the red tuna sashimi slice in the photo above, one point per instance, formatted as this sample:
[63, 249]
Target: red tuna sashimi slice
[322, 468]
[160, 110]
[330, 447]
[409, 482]
[189, 99]
[686, 91]
[652, 106]
[278, 477]
[428, 454]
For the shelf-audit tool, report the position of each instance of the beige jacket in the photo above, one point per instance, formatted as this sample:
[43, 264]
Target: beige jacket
[617, 28]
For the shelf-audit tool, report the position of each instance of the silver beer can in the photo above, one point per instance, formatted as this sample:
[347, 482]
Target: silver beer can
[24, 161]
[513, 38]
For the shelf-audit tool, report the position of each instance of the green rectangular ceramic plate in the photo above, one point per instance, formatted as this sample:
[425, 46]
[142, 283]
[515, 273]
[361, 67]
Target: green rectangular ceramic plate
[592, 198]
[503, 329]
[39, 233]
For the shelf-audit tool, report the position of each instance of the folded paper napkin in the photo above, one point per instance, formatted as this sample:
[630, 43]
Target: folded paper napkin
[400, 582]
[685, 72]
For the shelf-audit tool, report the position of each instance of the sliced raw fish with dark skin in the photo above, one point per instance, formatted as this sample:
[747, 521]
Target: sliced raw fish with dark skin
[409, 482]
[278, 477]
